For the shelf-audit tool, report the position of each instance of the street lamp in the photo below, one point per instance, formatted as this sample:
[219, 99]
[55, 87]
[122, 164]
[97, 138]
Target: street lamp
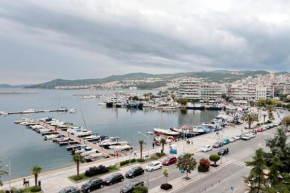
[9, 173]
[148, 158]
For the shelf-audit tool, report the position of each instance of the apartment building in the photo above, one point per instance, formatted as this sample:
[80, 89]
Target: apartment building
[189, 89]
[211, 91]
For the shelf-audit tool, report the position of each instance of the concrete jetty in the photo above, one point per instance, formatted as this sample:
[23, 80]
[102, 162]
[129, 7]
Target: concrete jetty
[75, 139]
[18, 92]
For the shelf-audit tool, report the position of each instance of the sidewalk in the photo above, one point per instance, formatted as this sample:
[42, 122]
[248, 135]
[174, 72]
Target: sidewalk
[56, 180]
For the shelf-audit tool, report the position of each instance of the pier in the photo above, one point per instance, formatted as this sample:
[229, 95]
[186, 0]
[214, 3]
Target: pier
[36, 111]
[74, 139]
[18, 92]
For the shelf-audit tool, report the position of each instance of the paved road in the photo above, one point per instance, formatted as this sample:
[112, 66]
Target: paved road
[231, 175]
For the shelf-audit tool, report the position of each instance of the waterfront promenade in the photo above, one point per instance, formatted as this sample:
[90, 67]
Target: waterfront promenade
[54, 181]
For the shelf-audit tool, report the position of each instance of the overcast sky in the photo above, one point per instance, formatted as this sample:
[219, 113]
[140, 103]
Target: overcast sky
[75, 39]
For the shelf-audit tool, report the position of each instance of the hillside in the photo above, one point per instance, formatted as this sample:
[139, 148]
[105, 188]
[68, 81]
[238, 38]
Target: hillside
[215, 76]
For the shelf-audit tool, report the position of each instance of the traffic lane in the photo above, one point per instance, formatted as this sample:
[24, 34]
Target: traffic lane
[211, 180]
[236, 180]
[156, 178]
[156, 175]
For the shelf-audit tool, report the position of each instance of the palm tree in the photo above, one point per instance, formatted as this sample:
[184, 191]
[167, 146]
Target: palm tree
[77, 158]
[141, 142]
[163, 142]
[250, 120]
[2, 173]
[35, 171]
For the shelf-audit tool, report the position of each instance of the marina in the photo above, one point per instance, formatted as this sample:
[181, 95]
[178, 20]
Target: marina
[29, 148]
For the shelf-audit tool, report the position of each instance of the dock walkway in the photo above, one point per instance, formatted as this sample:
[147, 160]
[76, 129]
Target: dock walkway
[76, 139]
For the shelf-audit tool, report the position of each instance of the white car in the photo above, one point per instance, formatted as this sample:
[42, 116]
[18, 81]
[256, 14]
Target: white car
[206, 148]
[252, 135]
[232, 139]
[153, 166]
[246, 137]
[238, 137]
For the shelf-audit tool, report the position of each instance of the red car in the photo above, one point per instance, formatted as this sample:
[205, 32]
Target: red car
[260, 130]
[169, 160]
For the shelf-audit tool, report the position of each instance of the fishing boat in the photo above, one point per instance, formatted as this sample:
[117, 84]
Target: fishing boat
[166, 132]
[62, 139]
[51, 137]
[62, 109]
[195, 106]
[29, 111]
[94, 157]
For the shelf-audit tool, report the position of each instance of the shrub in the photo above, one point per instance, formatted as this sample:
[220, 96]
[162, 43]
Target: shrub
[204, 165]
[160, 154]
[166, 186]
[140, 160]
[92, 171]
[112, 168]
[124, 162]
[154, 157]
[140, 189]
[200, 168]
[35, 189]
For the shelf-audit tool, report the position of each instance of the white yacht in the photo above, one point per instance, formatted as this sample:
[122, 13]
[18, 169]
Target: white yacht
[3, 113]
[29, 111]
[73, 111]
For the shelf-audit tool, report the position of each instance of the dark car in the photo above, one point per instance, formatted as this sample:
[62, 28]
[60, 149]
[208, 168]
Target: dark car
[223, 151]
[92, 184]
[70, 189]
[130, 187]
[218, 144]
[114, 178]
[169, 160]
[134, 172]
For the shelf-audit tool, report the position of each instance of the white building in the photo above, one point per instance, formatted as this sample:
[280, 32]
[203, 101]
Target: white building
[189, 89]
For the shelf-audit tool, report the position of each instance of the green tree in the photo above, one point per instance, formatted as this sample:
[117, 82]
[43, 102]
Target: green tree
[2, 173]
[261, 102]
[141, 143]
[187, 163]
[274, 174]
[286, 121]
[257, 178]
[250, 119]
[165, 173]
[140, 189]
[78, 158]
[163, 142]
[279, 147]
[214, 158]
[35, 171]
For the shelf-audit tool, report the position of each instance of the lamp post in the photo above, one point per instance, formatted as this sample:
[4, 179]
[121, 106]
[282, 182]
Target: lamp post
[9, 173]
[148, 158]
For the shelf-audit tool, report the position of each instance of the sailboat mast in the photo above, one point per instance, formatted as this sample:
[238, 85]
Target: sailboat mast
[83, 118]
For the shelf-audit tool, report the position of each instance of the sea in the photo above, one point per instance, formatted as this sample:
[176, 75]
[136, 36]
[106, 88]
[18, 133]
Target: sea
[24, 148]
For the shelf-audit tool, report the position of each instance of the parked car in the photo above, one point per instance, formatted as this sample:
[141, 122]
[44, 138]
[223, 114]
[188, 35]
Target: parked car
[252, 135]
[226, 141]
[232, 139]
[182, 155]
[169, 160]
[206, 148]
[218, 144]
[114, 178]
[276, 124]
[92, 184]
[70, 189]
[238, 137]
[130, 187]
[223, 151]
[260, 129]
[135, 171]
[153, 166]
[246, 137]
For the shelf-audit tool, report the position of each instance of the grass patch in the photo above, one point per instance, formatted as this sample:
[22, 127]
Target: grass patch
[83, 177]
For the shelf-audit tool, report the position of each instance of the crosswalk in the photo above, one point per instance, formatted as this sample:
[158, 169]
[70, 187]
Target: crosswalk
[237, 162]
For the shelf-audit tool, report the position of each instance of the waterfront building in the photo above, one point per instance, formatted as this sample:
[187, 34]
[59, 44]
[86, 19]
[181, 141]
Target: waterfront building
[189, 89]
[211, 91]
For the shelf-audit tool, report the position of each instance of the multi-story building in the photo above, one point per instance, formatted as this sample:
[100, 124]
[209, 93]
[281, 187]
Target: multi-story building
[283, 88]
[189, 89]
[261, 92]
[211, 91]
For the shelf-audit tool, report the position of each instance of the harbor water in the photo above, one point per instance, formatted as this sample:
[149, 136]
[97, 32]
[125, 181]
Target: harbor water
[25, 148]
